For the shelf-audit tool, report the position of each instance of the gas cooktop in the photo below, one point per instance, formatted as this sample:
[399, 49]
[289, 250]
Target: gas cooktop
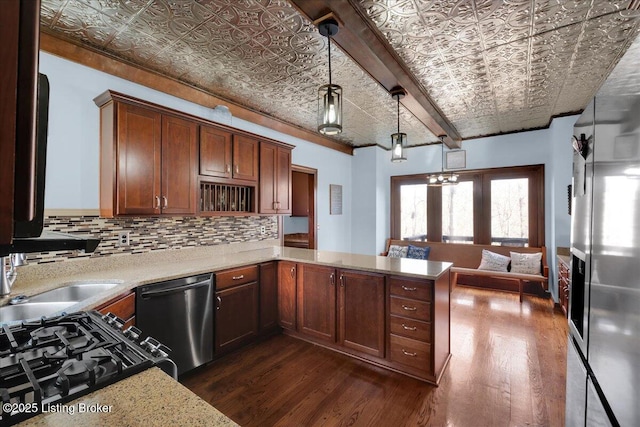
[55, 360]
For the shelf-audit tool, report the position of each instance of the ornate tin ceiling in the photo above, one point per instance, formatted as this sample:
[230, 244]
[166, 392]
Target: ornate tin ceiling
[490, 66]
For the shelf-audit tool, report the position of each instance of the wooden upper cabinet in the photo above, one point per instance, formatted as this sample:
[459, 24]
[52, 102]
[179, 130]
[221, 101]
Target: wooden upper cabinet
[179, 165]
[224, 155]
[215, 152]
[275, 179]
[148, 160]
[245, 158]
[137, 163]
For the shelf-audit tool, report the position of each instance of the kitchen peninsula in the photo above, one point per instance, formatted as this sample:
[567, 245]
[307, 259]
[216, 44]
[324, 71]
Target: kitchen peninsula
[409, 332]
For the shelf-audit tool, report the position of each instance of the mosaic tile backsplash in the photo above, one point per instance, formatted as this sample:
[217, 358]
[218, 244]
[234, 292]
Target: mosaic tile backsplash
[156, 233]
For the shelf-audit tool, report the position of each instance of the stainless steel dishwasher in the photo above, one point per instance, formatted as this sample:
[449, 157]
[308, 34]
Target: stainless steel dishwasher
[179, 314]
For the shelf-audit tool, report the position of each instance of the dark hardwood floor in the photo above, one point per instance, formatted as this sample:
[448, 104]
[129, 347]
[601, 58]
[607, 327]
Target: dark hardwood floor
[507, 369]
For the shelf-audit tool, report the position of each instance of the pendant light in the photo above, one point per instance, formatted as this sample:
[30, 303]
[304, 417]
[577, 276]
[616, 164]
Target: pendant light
[329, 96]
[398, 139]
[442, 178]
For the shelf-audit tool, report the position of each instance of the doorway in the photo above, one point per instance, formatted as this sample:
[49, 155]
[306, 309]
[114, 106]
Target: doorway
[300, 228]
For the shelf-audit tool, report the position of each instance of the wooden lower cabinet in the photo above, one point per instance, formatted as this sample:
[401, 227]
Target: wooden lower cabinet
[123, 306]
[236, 316]
[317, 301]
[287, 289]
[399, 323]
[268, 297]
[563, 285]
[361, 312]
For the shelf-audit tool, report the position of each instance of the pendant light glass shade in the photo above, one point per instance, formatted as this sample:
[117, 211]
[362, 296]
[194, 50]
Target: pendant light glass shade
[329, 96]
[398, 143]
[398, 139]
[442, 178]
[330, 109]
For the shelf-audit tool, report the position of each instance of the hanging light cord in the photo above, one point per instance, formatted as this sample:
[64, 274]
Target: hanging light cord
[329, 38]
[398, 101]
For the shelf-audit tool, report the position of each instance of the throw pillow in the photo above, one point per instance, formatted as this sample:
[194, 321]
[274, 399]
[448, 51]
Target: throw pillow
[397, 251]
[416, 252]
[526, 263]
[493, 261]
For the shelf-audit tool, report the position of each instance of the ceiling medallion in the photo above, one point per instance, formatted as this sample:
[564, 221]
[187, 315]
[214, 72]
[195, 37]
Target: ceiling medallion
[398, 139]
[329, 96]
[442, 178]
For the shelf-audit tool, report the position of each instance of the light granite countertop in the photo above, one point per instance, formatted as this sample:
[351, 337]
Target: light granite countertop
[131, 271]
[150, 398]
[162, 400]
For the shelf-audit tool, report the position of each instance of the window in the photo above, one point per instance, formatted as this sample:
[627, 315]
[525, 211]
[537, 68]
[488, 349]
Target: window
[457, 213]
[413, 222]
[491, 206]
[510, 212]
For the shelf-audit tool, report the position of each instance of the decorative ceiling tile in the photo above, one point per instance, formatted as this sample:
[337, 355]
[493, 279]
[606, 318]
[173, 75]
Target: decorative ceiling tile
[490, 66]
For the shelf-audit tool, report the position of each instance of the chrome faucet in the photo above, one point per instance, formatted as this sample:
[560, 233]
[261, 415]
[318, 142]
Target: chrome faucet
[8, 276]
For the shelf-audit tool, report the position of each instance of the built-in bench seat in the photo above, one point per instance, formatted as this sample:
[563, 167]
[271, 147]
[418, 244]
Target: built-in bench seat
[466, 258]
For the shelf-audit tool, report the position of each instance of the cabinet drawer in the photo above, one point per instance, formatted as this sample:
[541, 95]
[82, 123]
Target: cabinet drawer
[410, 328]
[408, 352]
[415, 309]
[236, 276]
[123, 306]
[410, 288]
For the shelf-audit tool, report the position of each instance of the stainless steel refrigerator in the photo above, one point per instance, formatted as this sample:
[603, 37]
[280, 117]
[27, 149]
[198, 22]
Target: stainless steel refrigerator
[603, 360]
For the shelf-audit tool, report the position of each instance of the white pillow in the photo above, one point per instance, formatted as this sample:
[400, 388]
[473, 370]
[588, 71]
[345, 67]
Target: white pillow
[525, 263]
[397, 251]
[493, 261]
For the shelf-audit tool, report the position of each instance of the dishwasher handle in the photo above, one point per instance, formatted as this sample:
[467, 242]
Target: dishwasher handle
[174, 290]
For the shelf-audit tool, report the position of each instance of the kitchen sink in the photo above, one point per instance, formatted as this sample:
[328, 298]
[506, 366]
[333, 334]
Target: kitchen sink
[31, 310]
[73, 293]
[53, 301]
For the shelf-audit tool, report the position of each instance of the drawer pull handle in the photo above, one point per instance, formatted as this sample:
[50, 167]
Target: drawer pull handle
[406, 353]
[219, 303]
[406, 288]
[409, 328]
[332, 279]
[408, 308]
[238, 277]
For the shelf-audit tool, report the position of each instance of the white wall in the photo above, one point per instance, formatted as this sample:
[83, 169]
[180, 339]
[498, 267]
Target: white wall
[73, 145]
[550, 147]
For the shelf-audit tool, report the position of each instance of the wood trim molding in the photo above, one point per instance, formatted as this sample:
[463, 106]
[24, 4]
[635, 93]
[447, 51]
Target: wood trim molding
[119, 68]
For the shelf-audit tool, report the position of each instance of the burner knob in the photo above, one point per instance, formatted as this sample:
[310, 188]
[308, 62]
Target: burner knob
[132, 333]
[161, 351]
[150, 344]
[113, 320]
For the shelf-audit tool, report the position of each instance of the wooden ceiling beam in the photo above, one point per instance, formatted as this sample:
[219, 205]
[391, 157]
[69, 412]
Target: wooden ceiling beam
[362, 42]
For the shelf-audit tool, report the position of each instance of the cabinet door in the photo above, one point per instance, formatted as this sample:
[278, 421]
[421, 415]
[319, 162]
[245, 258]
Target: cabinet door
[179, 166]
[317, 301]
[299, 194]
[138, 160]
[361, 311]
[283, 181]
[268, 296]
[287, 275]
[245, 158]
[236, 316]
[215, 152]
[268, 163]
[9, 32]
